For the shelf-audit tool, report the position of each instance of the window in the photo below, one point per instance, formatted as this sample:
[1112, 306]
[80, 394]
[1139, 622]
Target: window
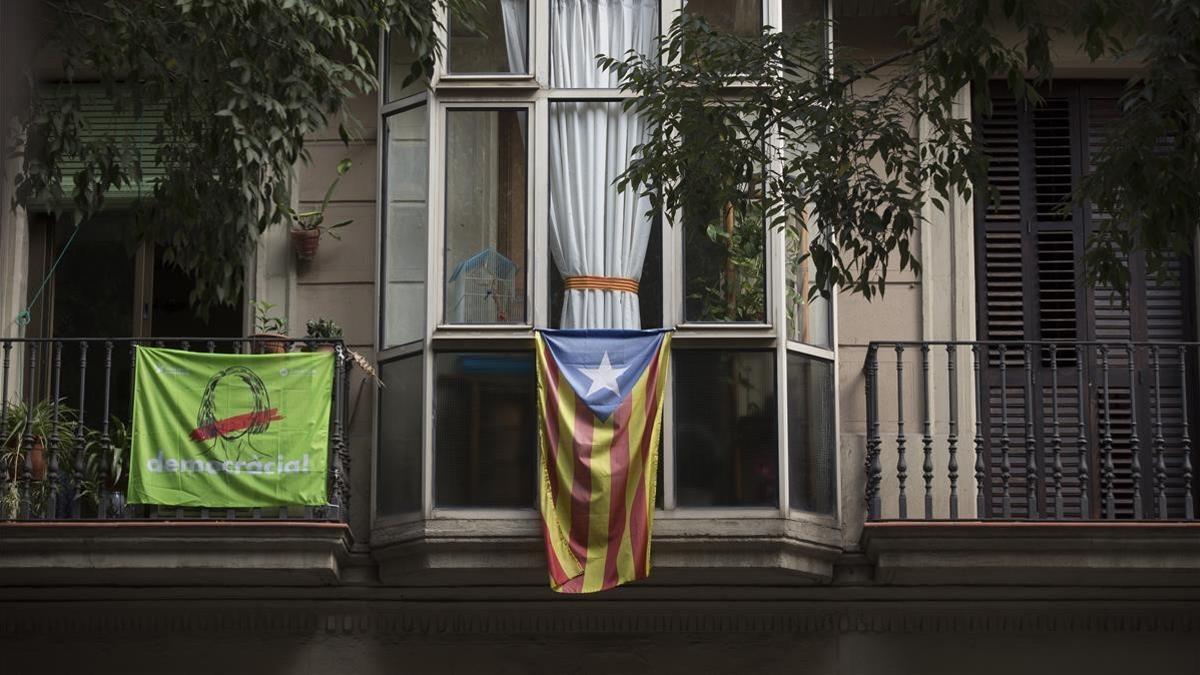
[740, 17]
[485, 216]
[812, 454]
[485, 438]
[725, 445]
[404, 250]
[1028, 253]
[498, 44]
[398, 471]
[513, 163]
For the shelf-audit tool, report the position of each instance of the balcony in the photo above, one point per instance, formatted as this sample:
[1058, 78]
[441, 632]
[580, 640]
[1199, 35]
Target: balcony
[1031, 462]
[65, 439]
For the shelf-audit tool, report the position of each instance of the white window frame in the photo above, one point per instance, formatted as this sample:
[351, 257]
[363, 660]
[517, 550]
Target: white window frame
[532, 92]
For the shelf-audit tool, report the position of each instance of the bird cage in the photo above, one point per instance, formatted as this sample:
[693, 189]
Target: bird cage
[483, 289]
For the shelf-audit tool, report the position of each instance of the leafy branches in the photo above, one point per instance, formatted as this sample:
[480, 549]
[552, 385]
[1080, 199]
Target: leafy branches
[240, 84]
[860, 148]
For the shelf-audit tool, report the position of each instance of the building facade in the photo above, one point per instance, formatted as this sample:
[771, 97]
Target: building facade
[987, 468]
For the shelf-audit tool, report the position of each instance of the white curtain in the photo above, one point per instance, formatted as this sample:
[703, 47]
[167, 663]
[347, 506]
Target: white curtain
[594, 229]
[515, 14]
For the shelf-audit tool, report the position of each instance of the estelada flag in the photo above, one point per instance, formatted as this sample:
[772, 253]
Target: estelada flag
[600, 396]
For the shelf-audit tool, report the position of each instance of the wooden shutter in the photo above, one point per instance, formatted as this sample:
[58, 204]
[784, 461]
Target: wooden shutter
[1029, 248]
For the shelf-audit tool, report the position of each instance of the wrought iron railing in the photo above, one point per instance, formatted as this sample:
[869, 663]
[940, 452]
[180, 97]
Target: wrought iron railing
[64, 429]
[1030, 430]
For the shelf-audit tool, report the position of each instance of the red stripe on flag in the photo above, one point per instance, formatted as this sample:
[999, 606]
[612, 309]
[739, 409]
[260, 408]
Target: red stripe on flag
[581, 484]
[639, 533]
[557, 574]
[619, 472]
[235, 423]
[551, 423]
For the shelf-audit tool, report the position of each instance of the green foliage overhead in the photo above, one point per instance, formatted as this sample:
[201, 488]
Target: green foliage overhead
[862, 149]
[240, 83]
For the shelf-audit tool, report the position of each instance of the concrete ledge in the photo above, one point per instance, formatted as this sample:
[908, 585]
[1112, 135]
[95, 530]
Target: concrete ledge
[168, 553]
[746, 551]
[1034, 553]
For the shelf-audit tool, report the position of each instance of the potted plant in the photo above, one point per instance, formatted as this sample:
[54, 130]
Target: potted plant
[308, 226]
[40, 424]
[270, 331]
[324, 330]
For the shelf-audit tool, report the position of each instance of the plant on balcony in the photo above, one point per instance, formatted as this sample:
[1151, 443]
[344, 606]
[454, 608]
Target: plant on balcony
[48, 433]
[270, 330]
[308, 226]
[41, 424]
[323, 329]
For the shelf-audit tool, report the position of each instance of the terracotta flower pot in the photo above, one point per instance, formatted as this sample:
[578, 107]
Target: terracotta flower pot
[305, 242]
[37, 462]
[269, 343]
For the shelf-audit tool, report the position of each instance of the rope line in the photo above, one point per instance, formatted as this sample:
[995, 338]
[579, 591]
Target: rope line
[23, 317]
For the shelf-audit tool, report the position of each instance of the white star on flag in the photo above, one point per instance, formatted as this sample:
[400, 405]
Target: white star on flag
[603, 377]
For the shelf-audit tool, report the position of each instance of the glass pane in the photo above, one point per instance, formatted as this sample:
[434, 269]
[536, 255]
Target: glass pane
[398, 487]
[400, 64]
[725, 440]
[485, 435]
[798, 12]
[584, 28]
[595, 229]
[404, 237]
[485, 216]
[499, 43]
[724, 263]
[740, 17]
[93, 296]
[811, 445]
[809, 317]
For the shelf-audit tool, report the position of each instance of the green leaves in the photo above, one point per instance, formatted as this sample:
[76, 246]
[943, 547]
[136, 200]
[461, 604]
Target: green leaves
[241, 84]
[861, 151]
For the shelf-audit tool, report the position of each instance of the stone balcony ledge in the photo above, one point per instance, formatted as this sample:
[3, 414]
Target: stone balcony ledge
[1080, 553]
[172, 553]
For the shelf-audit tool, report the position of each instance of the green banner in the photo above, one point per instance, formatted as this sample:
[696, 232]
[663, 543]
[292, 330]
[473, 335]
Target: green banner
[230, 430]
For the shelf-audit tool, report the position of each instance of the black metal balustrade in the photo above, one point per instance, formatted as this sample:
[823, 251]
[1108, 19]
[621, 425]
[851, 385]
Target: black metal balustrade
[64, 429]
[1057, 430]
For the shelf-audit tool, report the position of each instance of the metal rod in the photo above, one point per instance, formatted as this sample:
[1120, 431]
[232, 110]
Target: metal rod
[27, 442]
[1081, 439]
[901, 463]
[52, 448]
[980, 467]
[1160, 464]
[80, 439]
[1005, 443]
[927, 434]
[1056, 474]
[1106, 442]
[1189, 508]
[1031, 469]
[105, 443]
[4, 423]
[874, 442]
[1135, 466]
[952, 430]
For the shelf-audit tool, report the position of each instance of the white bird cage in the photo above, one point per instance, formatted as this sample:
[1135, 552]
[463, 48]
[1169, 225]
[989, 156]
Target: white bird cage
[483, 289]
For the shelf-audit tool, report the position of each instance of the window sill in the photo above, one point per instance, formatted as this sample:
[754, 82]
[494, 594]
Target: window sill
[508, 551]
[172, 553]
[1034, 553]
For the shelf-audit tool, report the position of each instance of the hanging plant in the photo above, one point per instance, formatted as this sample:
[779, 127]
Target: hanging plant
[308, 226]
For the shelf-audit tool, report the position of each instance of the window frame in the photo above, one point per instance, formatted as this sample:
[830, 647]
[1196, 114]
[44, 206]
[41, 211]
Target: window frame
[532, 92]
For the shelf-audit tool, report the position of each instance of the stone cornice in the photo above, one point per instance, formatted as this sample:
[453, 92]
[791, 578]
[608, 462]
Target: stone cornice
[171, 553]
[1034, 553]
[401, 620]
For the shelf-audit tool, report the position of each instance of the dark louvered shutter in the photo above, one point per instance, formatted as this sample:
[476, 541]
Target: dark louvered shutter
[1029, 247]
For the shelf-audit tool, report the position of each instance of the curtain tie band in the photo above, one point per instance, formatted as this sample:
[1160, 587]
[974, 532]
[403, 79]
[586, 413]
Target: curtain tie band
[589, 283]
